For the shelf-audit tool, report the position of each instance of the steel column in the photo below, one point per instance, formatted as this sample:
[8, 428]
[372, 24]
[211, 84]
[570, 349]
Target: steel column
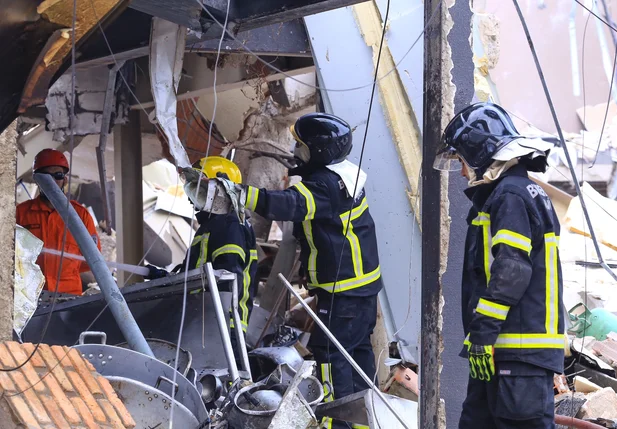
[431, 216]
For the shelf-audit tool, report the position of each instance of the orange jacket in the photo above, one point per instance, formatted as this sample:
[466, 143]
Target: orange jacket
[46, 224]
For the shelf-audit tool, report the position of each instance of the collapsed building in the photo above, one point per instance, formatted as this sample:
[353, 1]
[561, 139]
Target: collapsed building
[161, 83]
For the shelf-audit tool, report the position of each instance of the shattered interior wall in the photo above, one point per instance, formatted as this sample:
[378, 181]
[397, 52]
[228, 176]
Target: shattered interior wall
[8, 153]
[266, 129]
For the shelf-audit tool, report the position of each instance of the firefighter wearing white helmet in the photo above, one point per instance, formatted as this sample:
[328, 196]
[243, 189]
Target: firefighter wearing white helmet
[511, 286]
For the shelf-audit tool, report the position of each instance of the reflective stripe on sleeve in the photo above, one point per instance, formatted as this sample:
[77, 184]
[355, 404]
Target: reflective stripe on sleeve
[252, 195]
[229, 248]
[512, 239]
[492, 309]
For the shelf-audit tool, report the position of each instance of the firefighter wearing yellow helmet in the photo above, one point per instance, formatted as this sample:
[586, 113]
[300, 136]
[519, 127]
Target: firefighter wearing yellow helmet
[226, 242]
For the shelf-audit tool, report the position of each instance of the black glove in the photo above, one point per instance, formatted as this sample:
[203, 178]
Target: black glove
[155, 272]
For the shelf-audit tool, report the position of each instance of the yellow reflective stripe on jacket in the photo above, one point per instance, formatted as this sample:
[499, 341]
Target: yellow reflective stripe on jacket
[347, 219]
[203, 249]
[552, 283]
[492, 309]
[326, 376]
[512, 239]
[310, 201]
[252, 195]
[229, 248]
[348, 284]
[528, 341]
[484, 220]
[308, 230]
[246, 285]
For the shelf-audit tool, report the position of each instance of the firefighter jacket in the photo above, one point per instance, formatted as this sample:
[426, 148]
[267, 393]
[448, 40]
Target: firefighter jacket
[327, 221]
[228, 245]
[512, 286]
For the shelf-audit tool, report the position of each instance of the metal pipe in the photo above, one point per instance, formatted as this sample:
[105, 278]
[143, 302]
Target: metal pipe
[572, 422]
[109, 288]
[340, 347]
[221, 321]
[239, 328]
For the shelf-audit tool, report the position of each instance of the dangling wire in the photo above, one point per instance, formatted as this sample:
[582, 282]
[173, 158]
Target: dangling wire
[562, 139]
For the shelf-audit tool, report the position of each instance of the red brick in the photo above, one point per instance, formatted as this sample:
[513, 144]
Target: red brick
[85, 413]
[52, 364]
[30, 396]
[112, 397]
[55, 413]
[28, 369]
[62, 353]
[60, 397]
[114, 419]
[86, 375]
[6, 383]
[6, 359]
[36, 360]
[85, 394]
[21, 410]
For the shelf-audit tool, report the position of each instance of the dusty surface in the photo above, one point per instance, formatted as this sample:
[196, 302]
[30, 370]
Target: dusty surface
[8, 153]
[265, 129]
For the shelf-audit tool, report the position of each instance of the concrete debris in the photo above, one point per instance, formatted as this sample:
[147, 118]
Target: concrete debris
[29, 278]
[600, 404]
[569, 404]
[489, 37]
[90, 88]
[403, 383]
[583, 385]
[585, 346]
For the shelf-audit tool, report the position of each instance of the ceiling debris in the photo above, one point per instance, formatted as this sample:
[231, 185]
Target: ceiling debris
[58, 47]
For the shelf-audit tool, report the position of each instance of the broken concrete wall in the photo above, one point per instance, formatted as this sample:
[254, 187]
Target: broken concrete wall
[267, 129]
[8, 156]
[90, 88]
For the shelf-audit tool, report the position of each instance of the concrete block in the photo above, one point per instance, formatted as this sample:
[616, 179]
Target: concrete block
[600, 404]
[568, 404]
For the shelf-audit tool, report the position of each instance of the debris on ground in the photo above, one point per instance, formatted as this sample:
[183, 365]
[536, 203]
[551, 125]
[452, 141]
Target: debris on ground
[403, 382]
[600, 404]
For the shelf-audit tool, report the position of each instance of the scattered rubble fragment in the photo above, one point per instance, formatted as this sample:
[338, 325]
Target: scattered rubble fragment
[600, 404]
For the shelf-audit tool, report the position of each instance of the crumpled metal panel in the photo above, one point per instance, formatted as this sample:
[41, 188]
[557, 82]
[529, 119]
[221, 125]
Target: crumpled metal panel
[29, 278]
[167, 43]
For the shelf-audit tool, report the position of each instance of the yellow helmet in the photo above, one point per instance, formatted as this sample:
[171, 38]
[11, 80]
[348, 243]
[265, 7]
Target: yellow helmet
[217, 164]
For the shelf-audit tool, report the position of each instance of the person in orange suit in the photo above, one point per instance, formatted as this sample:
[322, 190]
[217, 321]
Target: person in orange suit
[40, 218]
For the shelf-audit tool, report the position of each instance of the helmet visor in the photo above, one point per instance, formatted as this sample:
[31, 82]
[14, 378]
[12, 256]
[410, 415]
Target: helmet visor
[447, 159]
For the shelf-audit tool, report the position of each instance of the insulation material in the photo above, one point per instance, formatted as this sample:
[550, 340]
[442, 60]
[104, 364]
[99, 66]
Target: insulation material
[601, 211]
[29, 278]
[167, 43]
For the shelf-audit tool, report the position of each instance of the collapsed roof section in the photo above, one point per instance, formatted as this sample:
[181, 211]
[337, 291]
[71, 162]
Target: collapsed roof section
[42, 39]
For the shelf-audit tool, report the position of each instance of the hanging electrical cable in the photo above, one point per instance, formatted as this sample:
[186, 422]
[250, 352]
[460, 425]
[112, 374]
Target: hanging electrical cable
[562, 139]
[201, 174]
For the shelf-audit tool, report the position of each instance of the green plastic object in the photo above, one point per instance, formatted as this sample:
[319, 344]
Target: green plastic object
[597, 323]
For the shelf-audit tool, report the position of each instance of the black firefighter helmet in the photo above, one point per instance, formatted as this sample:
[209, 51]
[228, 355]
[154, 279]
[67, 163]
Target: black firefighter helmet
[475, 135]
[321, 139]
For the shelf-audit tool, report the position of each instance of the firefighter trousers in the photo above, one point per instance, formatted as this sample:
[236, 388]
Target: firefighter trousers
[352, 322]
[519, 396]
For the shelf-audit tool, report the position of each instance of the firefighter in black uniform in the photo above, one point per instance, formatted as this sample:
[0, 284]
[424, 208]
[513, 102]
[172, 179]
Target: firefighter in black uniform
[512, 286]
[338, 246]
[225, 242]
